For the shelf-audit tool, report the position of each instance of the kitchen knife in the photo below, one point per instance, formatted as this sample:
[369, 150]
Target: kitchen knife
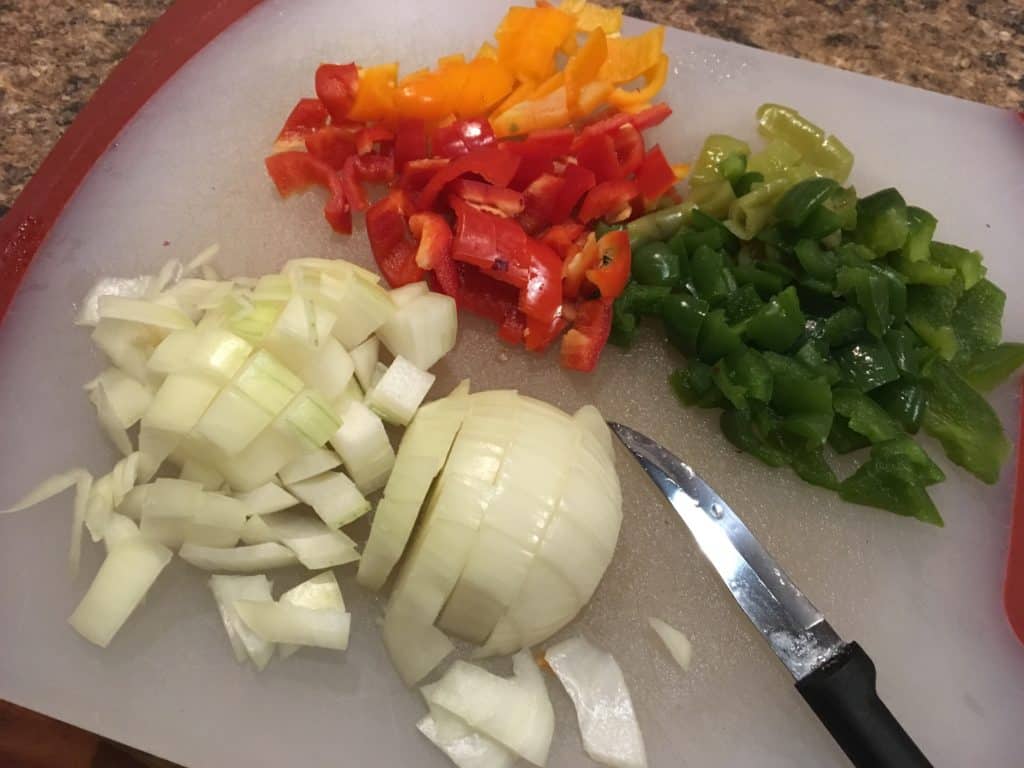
[837, 679]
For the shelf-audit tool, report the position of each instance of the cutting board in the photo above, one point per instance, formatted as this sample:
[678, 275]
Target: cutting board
[188, 172]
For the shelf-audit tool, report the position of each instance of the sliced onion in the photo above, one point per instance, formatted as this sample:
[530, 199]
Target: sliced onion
[308, 465]
[266, 499]
[143, 312]
[329, 370]
[129, 287]
[406, 293]
[48, 488]
[232, 421]
[217, 523]
[121, 583]
[333, 496]
[361, 306]
[108, 492]
[678, 644]
[399, 392]
[422, 331]
[295, 625]
[364, 447]
[364, 359]
[465, 747]
[244, 642]
[119, 529]
[321, 591]
[594, 682]
[352, 393]
[249, 559]
[127, 345]
[197, 472]
[180, 402]
[126, 398]
[325, 550]
[171, 497]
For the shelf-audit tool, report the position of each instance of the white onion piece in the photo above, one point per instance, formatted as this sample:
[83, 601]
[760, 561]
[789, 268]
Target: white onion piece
[325, 550]
[516, 712]
[300, 330]
[422, 331]
[295, 625]
[108, 492]
[143, 312]
[48, 488]
[196, 471]
[421, 455]
[352, 393]
[404, 294]
[119, 529]
[268, 498]
[465, 747]
[217, 523]
[171, 497]
[201, 259]
[129, 287]
[330, 370]
[308, 465]
[121, 583]
[109, 421]
[364, 447]
[127, 398]
[262, 459]
[172, 354]
[244, 642]
[361, 305]
[232, 421]
[127, 345]
[594, 682]
[248, 559]
[399, 392]
[321, 591]
[180, 402]
[134, 501]
[378, 373]
[415, 646]
[256, 531]
[333, 496]
[678, 644]
[364, 360]
[218, 353]
[155, 445]
[591, 420]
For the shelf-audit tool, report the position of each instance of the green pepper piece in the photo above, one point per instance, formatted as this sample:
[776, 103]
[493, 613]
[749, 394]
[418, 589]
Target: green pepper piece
[635, 300]
[891, 479]
[745, 183]
[843, 203]
[802, 199]
[814, 354]
[902, 345]
[804, 401]
[717, 338]
[702, 222]
[740, 430]
[825, 153]
[693, 385]
[623, 327]
[820, 223]
[843, 439]
[978, 320]
[967, 263]
[864, 415]
[645, 299]
[765, 282]
[810, 465]
[659, 225]
[655, 264]
[905, 401]
[684, 315]
[602, 228]
[843, 326]
[819, 264]
[930, 313]
[882, 221]
[743, 374]
[867, 365]
[711, 280]
[870, 293]
[988, 369]
[920, 229]
[779, 323]
[717, 147]
[692, 239]
[742, 304]
[922, 272]
[733, 166]
[963, 421]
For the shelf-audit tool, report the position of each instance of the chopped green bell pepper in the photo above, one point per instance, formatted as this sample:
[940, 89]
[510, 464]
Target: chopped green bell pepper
[882, 221]
[656, 264]
[742, 304]
[778, 324]
[740, 429]
[864, 415]
[684, 315]
[904, 400]
[977, 320]
[920, 229]
[717, 338]
[967, 263]
[712, 280]
[988, 369]
[693, 385]
[802, 199]
[930, 313]
[843, 326]
[867, 365]
[894, 479]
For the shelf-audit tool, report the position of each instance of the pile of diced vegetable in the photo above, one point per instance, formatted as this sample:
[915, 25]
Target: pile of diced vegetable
[818, 320]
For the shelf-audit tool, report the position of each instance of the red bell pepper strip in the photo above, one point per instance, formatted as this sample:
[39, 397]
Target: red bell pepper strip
[548, 144]
[578, 181]
[350, 184]
[597, 153]
[562, 238]
[611, 273]
[655, 176]
[650, 117]
[296, 171]
[417, 173]
[375, 168]
[642, 120]
[609, 200]
[500, 201]
[369, 137]
[484, 296]
[308, 116]
[574, 269]
[493, 163]
[390, 240]
[331, 144]
[541, 299]
[582, 345]
[462, 137]
[629, 148]
[530, 169]
[540, 198]
[336, 86]
[540, 333]
[434, 251]
[410, 142]
[513, 326]
[495, 245]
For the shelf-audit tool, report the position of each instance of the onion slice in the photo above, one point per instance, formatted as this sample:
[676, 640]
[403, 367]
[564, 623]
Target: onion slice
[465, 747]
[594, 682]
[295, 625]
[678, 644]
[321, 591]
[257, 557]
[266, 499]
[244, 642]
[333, 496]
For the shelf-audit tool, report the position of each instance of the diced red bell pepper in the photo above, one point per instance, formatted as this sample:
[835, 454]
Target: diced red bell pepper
[609, 200]
[492, 163]
[513, 326]
[574, 269]
[597, 153]
[485, 296]
[296, 171]
[390, 240]
[350, 184]
[650, 117]
[611, 273]
[540, 198]
[547, 144]
[434, 251]
[655, 176]
[336, 86]
[629, 148]
[582, 345]
[540, 333]
[375, 168]
[462, 137]
[417, 173]
[371, 136]
[578, 181]
[495, 245]
[410, 142]
[562, 238]
[531, 169]
[541, 299]
[331, 144]
[500, 201]
[308, 116]
[642, 120]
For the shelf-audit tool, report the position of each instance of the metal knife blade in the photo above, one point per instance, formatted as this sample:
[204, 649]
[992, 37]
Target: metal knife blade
[796, 631]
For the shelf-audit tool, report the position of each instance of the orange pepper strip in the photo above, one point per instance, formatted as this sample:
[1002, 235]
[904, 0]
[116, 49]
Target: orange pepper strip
[630, 57]
[549, 86]
[423, 95]
[487, 51]
[655, 78]
[447, 61]
[528, 39]
[375, 96]
[482, 84]
[528, 116]
[522, 92]
[593, 95]
[590, 16]
[583, 68]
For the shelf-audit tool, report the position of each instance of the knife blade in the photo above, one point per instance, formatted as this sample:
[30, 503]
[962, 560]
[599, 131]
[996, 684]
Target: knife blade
[837, 679]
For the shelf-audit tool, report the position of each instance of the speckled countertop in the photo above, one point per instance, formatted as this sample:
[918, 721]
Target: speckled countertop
[54, 53]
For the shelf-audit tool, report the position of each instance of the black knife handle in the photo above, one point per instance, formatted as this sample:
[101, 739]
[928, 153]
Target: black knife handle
[843, 696]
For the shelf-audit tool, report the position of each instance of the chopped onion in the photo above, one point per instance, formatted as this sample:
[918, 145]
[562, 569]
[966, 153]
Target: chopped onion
[134, 501]
[364, 360]
[423, 331]
[352, 393]
[594, 682]
[155, 445]
[676, 642]
[516, 712]
[232, 421]
[144, 312]
[119, 529]
[321, 591]
[404, 294]
[333, 496]
[465, 747]
[198, 472]
[244, 642]
[268, 382]
[180, 402]
[202, 259]
[378, 373]
[108, 420]
[295, 625]
[127, 345]
[258, 557]
[48, 488]
[129, 287]
[171, 497]
[329, 370]
[399, 392]
[108, 492]
[217, 523]
[364, 447]
[121, 583]
[262, 459]
[313, 463]
[268, 498]
[127, 398]
[325, 550]
[361, 306]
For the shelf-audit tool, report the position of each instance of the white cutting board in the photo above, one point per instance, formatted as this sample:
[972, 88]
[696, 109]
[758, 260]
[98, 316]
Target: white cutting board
[924, 602]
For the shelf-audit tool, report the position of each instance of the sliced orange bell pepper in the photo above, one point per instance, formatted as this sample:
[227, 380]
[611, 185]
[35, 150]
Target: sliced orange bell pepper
[528, 39]
[549, 86]
[477, 86]
[487, 51]
[630, 57]
[582, 68]
[375, 95]
[533, 115]
[447, 61]
[590, 16]
[655, 79]
[593, 95]
[423, 95]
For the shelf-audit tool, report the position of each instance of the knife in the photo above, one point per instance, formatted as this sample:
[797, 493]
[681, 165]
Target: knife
[836, 679]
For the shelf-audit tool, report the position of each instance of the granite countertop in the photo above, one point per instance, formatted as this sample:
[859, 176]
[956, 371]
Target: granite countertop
[56, 52]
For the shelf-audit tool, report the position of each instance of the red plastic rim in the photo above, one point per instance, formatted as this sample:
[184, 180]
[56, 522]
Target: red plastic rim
[1013, 594]
[174, 38]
